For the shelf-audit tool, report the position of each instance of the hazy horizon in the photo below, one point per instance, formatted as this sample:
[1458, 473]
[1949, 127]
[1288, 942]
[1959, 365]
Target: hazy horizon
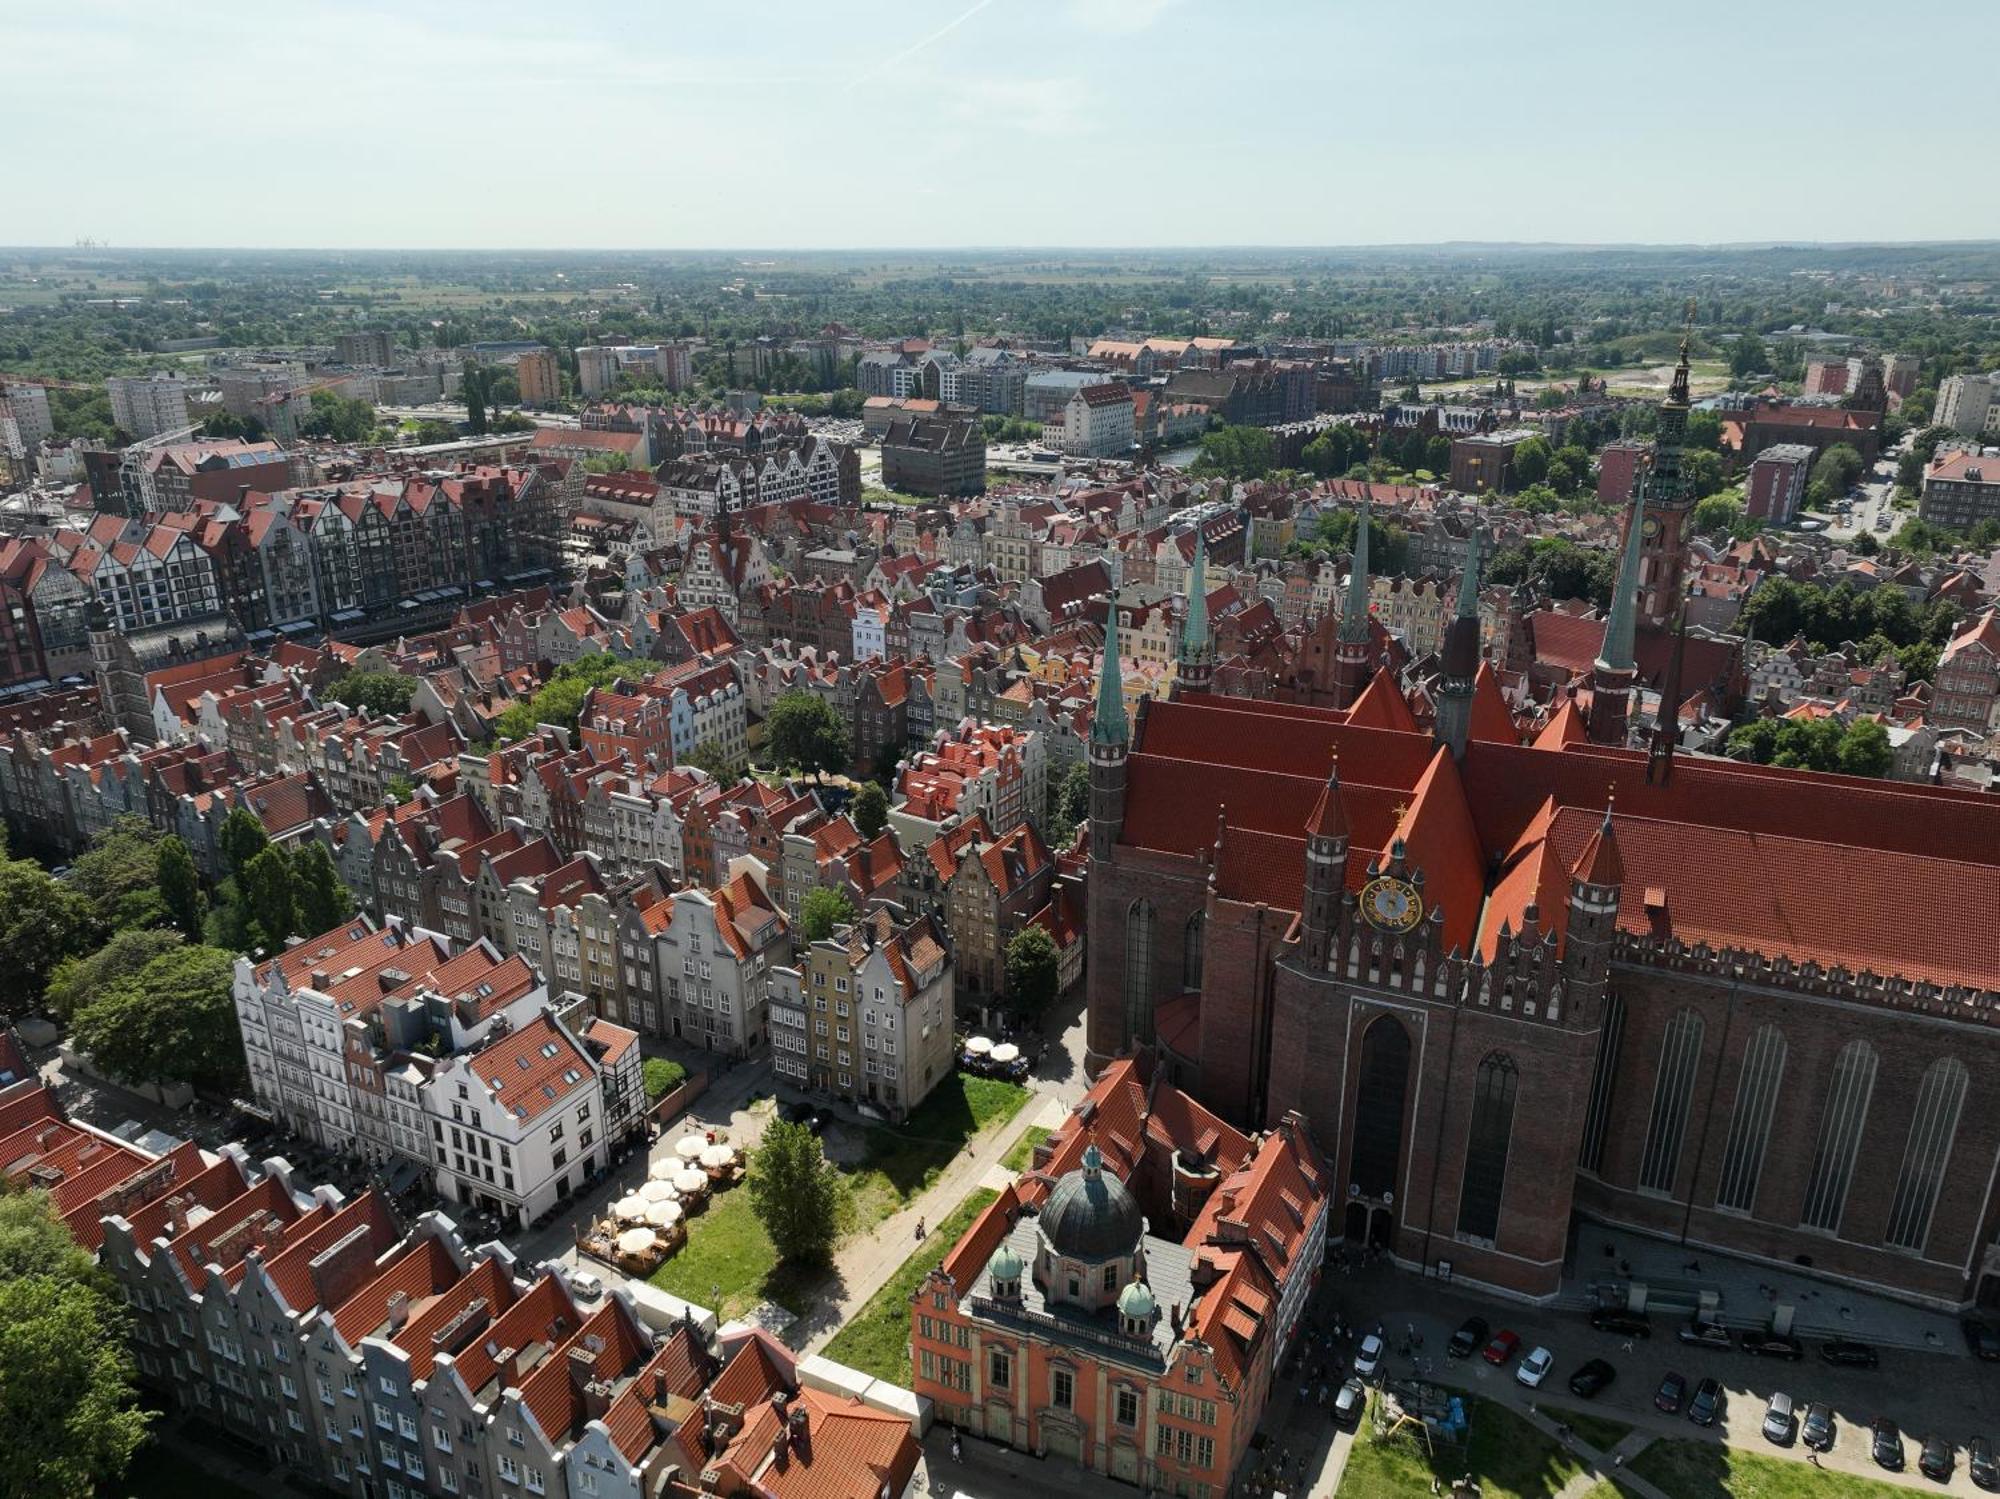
[980, 124]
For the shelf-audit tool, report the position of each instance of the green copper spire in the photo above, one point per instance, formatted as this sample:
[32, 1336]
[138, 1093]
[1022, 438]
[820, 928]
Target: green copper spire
[1468, 582]
[1618, 629]
[1354, 618]
[1108, 724]
[1194, 629]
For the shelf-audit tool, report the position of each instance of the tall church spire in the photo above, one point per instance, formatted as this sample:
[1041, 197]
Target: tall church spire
[1667, 726]
[1453, 723]
[1108, 725]
[1616, 654]
[1354, 617]
[1195, 668]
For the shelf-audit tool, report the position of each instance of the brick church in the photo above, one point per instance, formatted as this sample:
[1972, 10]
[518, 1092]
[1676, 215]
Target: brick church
[1512, 986]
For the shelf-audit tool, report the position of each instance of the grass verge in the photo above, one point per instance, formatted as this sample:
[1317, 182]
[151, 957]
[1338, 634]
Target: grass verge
[1509, 1459]
[1592, 1430]
[1023, 1151]
[876, 1340]
[1708, 1470]
[904, 1161]
[729, 1263]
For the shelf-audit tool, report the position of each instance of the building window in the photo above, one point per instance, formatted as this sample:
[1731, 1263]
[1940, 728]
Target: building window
[1062, 1389]
[1680, 1060]
[1139, 972]
[1932, 1125]
[1125, 1406]
[1750, 1127]
[1378, 1114]
[1191, 949]
[1610, 1033]
[1486, 1148]
[1840, 1128]
[999, 1368]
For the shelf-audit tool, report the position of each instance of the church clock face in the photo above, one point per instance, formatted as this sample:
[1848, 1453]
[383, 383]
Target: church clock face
[1391, 904]
[1651, 528]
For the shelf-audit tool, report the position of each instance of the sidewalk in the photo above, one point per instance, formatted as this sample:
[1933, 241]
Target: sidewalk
[863, 1265]
[1599, 1466]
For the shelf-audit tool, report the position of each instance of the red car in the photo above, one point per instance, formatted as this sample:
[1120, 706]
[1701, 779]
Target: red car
[1506, 1343]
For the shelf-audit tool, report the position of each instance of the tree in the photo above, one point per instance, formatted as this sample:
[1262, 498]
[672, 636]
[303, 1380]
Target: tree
[1749, 356]
[119, 874]
[477, 387]
[386, 692]
[339, 418]
[67, 1402]
[80, 980]
[870, 811]
[1236, 453]
[607, 463]
[795, 1193]
[708, 756]
[180, 888]
[821, 911]
[1717, 515]
[241, 838]
[323, 902]
[802, 730]
[1864, 749]
[1531, 462]
[1073, 798]
[42, 921]
[560, 699]
[661, 1077]
[1033, 970]
[398, 789]
[1703, 471]
[1837, 469]
[270, 896]
[172, 1022]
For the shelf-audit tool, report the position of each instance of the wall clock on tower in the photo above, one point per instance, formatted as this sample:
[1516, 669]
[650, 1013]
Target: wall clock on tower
[1650, 526]
[1390, 904]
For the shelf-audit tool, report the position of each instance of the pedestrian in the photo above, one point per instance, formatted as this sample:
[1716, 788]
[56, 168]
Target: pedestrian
[957, 1447]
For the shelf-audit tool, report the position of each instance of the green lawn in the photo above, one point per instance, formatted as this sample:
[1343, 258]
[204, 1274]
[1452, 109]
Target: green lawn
[877, 1339]
[160, 1474]
[1023, 1150]
[728, 1248]
[1707, 1470]
[902, 1162]
[1600, 1432]
[1509, 1458]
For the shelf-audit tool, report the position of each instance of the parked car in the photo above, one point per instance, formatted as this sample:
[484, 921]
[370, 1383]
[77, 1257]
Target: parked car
[1471, 1334]
[1980, 1464]
[1672, 1392]
[1778, 1419]
[1626, 1323]
[1849, 1354]
[1773, 1345]
[1885, 1444]
[1707, 1403]
[804, 1113]
[1818, 1431]
[1935, 1460]
[1591, 1378]
[1706, 1335]
[1368, 1357]
[1349, 1401]
[1533, 1369]
[1981, 1341]
[1506, 1343]
[587, 1286]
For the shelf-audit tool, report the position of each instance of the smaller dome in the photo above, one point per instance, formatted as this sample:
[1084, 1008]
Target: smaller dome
[1005, 1265]
[1136, 1301]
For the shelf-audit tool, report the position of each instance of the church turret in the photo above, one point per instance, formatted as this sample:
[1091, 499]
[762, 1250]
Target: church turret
[1350, 662]
[1110, 742]
[1326, 871]
[1596, 883]
[1616, 668]
[1195, 668]
[1461, 656]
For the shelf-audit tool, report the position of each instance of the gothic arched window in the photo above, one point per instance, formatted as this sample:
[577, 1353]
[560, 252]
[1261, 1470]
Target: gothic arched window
[1378, 1106]
[1673, 1091]
[1486, 1144]
[1192, 938]
[1139, 972]
[1840, 1127]
[1932, 1125]
[1598, 1111]
[1750, 1126]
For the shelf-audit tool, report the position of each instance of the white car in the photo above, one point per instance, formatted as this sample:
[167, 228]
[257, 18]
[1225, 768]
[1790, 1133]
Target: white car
[1533, 1369]
[586, 1285]
[1368, 1358]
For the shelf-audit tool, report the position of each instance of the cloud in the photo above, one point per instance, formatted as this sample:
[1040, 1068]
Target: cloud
[897, 59]
[1118, 17]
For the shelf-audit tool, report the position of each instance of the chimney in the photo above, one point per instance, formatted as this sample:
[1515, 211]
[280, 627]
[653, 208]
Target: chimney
[399, 1310]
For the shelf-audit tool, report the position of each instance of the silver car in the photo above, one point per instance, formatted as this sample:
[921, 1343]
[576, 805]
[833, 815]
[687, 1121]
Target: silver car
[1368, 1357]
[1779, 1419]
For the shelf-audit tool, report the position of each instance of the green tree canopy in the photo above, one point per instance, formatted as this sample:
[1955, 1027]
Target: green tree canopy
[1237, 453]
[1033, 970]
[42, 921]
[870, 811]
[181, 894]
[560, 699]
[821, 911]
[802, 730]
[1857, 749]
[119, 874]
[796, 1193]
[271, 897]
[339, 418]
[80, 980]
[1073, 799]
[241, 838]
[661, 1077]
[1531, 462]
[173, 1021]
[323, 902]
[378, 691]
[1837, 469]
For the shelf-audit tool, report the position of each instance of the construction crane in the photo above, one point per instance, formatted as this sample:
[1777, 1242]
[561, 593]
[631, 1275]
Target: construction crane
[7, 379]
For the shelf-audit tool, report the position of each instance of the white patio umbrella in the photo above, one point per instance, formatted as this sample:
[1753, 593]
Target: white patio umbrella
[664, 1168]
[978, 1045]
[657, 1192]
[717, 1155]
[629, 1209]
[690, 1182]
[690, 1147]
[1006, 1051]
[636, 1240]
[663, 1214]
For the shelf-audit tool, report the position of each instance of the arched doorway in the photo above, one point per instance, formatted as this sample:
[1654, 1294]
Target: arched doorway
[1379, 1097]
[1355, 1229]
[1381, 1229]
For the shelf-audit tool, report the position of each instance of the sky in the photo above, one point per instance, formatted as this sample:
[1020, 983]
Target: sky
[796, 124]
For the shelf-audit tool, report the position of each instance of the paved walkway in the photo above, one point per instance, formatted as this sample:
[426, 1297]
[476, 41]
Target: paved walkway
[1599, 1466]
[864, 1264]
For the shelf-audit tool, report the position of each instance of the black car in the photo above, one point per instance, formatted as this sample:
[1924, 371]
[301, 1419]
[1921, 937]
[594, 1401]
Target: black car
[1981, 1341]
[1707, 1403]
[1847, 1352]
[1706, 1335]
[1885, 1444]
[1469, 1339]
[1773, 1345]
[1935, 1461]
[1591, 1378]
[1619, 1320]
[1980, 1464]
[1818, 1431]
[804, 1113]
[1672, 1391]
